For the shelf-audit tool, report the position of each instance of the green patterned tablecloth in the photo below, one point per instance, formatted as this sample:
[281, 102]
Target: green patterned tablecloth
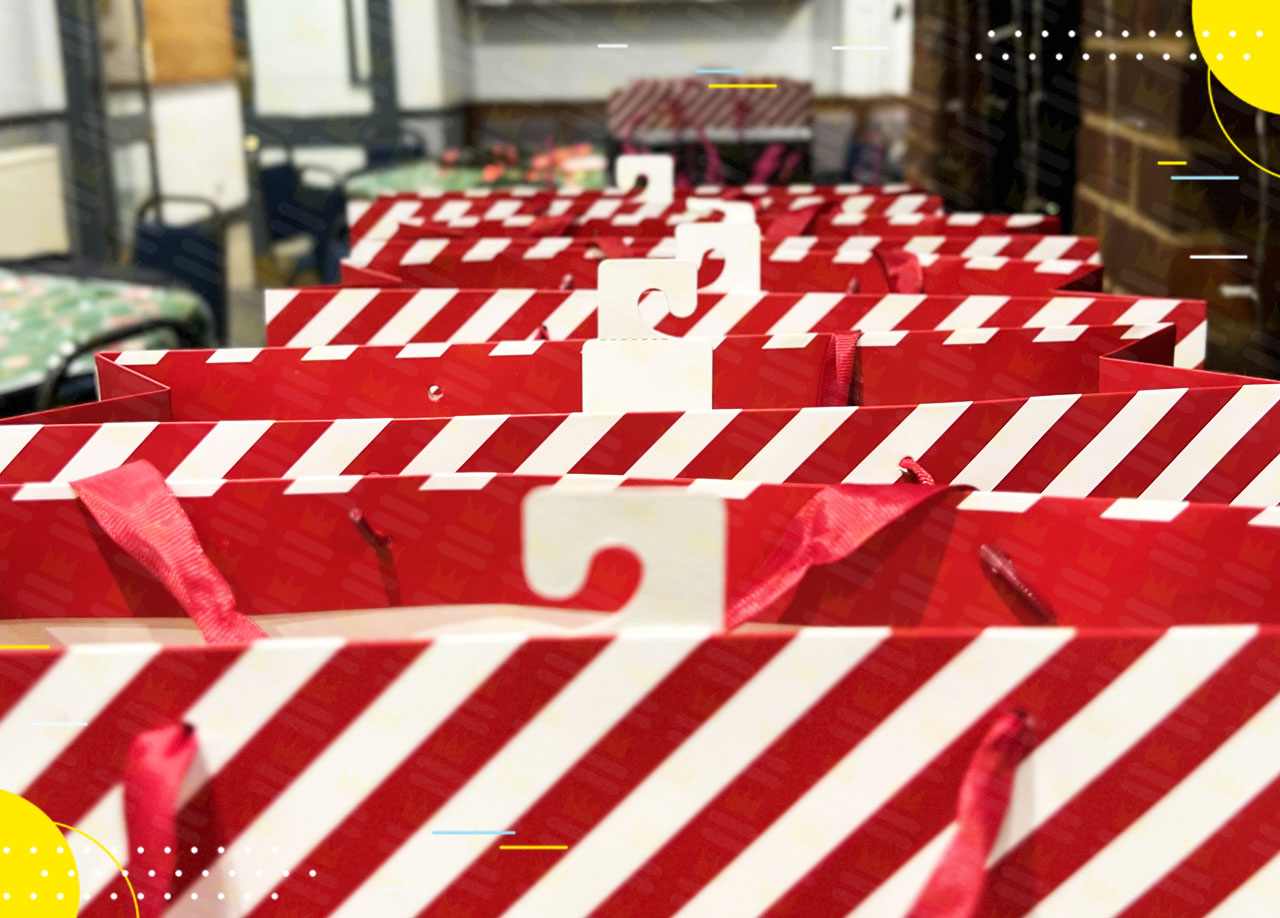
[430, 176]
[40, 312]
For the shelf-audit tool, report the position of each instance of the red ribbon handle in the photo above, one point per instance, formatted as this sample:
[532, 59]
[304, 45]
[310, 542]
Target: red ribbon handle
[957, 884]
[154, 769]
[138, 511]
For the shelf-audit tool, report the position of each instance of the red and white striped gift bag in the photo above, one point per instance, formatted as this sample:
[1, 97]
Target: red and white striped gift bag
[666, 774]
[791, 265]
[317, 316]
[1066, 411]
[394, 216]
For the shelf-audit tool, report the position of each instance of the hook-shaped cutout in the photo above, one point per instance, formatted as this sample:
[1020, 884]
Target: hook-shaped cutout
[679, 538]
[659, 170]
[737, 243]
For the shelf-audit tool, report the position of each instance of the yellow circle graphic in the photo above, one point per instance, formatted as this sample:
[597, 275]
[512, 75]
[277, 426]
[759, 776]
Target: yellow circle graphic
[1214, 105]
[1240, 41]
[38, 876]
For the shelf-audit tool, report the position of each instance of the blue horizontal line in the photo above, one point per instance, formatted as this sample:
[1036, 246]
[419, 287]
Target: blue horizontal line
[719, 71]
[472, 832]
[1205, 178]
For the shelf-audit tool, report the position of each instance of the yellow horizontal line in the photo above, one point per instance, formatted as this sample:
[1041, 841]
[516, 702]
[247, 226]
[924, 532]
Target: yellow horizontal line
[1169, 163]
[533, 847]
[24, 646]
[743, 86]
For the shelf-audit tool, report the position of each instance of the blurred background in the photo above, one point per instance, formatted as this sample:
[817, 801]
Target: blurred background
[163, 160]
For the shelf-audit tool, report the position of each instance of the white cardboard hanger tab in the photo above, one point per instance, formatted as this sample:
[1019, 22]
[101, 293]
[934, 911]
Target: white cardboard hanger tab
[659, 169]
[737, 243]
[633, 367]
[678, 537]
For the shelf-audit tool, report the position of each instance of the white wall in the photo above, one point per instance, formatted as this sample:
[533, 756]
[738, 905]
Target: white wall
[433, 53]
[549, 53]
[30, 58]
[299, 50]
[530, 53]
[200, 144]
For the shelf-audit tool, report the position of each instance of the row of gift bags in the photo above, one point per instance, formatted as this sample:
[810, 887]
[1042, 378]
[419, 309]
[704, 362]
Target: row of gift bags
[837, 569]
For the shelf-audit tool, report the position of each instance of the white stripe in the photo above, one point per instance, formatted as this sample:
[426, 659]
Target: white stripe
[386, 226]
[365, 251]
[793, 444]
[788, 340]
[413, 316]
[269, 673]
[906, 204]
[1113, 443]
[424, 251]
[999, 501]
[1155, 511]
[329, 352]
[501, 210]
[1176, 825]
[1051, 248]
[793, 248]
[924, 245]
[874, 770]
[1061, 310]
[971, 336]
[84, 680]
[892, 309]
[807, 312]
[456, 442]
[856, 250]
[622, 674]
[985, 246]
[333, 317]
[1217, 438]
[567, 444]
[234, 355]
[1147, 312]
[457, 481]
[681, 443]
[1058, 266]
[13, 439]
[275, 302]
[913, 437]
[1063, 333]
[491, 316]
[328, 484]
[486, 249]
[139, 358]
[110, 447]
[986, 263]
[334, 449]
[973, 312]
[356, 210]
[728, 311]
[219, 450]
[547, 247]
[515, 348]
[771, 702]
[964, 219]
[1011, 443]
[602, 209]
[1189, 352]
[570, 314]
[377, 741]
[1263, 491]
[1089, 743]
[451, 210]
[1257, 895]
[422, 350]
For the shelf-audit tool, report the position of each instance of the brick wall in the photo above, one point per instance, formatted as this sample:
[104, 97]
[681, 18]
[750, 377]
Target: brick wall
[1144, 101]
[1134, 112]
